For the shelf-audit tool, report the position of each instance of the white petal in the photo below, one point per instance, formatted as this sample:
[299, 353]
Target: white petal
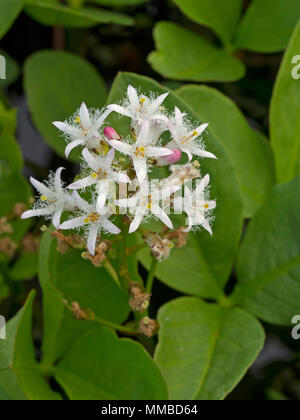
[158, 212]
[92, 238]
[39, 212]
[56, 218]
[125, 148]
[120, 110]
[83, 183]
[201, 128]
[41, 188]
[178, 116]
[158, 101]
[207, 227]
[144, 134]
[90, 159]
[102, 194]
[84, 116]
[133, 97]
[72, 145]
[202, 184]
[67, 129]
[118, 177]
[74, 223]
[158, 151]
[110, 227]
[57, 180]
[137, 220]
[140, 167]
[109, 158]
[127, 202]
[102, 118]
[81, 203]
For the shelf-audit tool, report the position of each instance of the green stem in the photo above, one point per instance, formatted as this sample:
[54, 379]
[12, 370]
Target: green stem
[151, 275]
[116, 327]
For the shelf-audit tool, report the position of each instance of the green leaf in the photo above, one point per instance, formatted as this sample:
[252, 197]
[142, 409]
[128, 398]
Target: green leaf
[204, 349]
[124, 371]
[114, 3]
[219, 15]
[9, 11]
[25, 268]
[251, 157]
[12, 70]
[56, 84]
[184, 55]
[51, 12]
[13, 186]
[268, 266]
[268, 25]
[70, 277]
[18, 367]
[204, 266]
[285, 115]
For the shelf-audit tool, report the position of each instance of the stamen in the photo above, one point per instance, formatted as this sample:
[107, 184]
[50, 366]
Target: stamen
[44, 198]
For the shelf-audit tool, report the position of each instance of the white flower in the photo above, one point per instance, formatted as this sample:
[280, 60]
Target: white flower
[197, 207]
[145, 203]
[53, 201]
[140, 151]
[185, 138]
[94, 219]
[141, 108]
[102, 176]
[84, 130]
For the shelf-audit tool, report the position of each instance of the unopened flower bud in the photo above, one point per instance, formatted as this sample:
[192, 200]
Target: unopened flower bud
[111, 133]
[169, 159]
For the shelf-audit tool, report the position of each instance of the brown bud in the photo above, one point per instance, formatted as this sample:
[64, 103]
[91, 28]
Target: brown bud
[148, 327]
[5, 227]
[140, 300]
[30, 243]
[8, 246]
[19, 209]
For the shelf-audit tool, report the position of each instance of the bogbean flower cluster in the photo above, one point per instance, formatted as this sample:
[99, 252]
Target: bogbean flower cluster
[156, 138]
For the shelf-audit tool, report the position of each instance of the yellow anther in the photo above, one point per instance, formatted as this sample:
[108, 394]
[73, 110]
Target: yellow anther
[149, 206]
[206, 206]
[94, 175]
[77, 120]
[87, 220]
[142, 101]
[93, 217]
[170, 245]
[43, 198]
[195, 133]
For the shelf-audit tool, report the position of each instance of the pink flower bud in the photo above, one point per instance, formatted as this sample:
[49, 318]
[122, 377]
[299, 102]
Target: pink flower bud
[111, 133]
[169, 159]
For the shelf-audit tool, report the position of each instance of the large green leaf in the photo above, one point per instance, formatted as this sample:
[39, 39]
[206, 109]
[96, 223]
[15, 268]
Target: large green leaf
[124, 370]
[221, 16]
[250, 155]
[205, 349]
[285, 116]
[9, 10]
[184, 55]
[113, 3]
[56, 84]
[204, 266]
[70, 277]
[268, 266]
[268, 25]
[52, 12]
[18, 367]
[13, 186]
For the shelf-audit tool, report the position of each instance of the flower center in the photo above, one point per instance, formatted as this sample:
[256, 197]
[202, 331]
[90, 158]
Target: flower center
[140, 151]
[92, 218]
[99, 175]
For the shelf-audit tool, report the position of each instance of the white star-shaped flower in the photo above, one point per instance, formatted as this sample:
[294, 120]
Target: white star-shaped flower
[145, 203]
[140, 108]
[186, 139]
[84, 130]
[53, 199]
[102, 176]
[197, 207]
[140, 151]
[93, 219]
